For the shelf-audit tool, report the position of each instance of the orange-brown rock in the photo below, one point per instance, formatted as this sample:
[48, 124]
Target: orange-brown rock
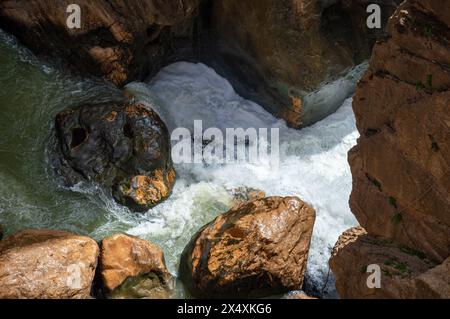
[279, 53]
[47, 264]
[405, 273]
[131, 267]
[256, 249]
[119, 40]
[401, 163]
[400, 166]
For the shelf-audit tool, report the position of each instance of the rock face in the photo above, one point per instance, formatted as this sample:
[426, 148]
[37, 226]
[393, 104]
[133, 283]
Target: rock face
[401, 164]
[133, 268]
[405, 272]
[279, 53]
[125, 148]
[119, 40]
[47, 264]
[256, 249]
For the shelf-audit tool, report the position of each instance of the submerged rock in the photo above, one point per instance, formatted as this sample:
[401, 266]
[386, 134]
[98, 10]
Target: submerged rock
[125, 148]
[47, 264]
[256, 249]
[404, 272]
[133, 268]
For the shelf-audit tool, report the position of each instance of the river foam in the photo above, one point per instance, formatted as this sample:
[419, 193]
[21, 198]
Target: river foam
[313, 161]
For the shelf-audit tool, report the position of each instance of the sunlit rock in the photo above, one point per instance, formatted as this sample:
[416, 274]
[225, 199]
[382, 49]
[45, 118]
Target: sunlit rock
[47, 264]
[256, 249]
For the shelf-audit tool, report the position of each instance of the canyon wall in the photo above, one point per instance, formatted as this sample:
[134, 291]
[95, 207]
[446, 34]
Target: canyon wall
[280, 53]
[119, 40]
[401, 164]
[277, 53]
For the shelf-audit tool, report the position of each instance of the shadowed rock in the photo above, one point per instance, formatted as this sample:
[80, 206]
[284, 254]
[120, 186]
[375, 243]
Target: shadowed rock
[118, 40]
[125, 148]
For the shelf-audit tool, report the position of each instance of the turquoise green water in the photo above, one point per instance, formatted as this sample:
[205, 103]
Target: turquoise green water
[313, 161]
[30, 95]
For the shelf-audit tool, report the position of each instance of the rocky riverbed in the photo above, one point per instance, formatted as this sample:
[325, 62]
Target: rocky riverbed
[92, 205]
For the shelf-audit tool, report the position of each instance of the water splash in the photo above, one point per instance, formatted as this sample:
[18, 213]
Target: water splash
[313, 161]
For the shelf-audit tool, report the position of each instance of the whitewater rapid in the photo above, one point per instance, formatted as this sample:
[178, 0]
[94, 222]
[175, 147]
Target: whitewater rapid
[313, 161]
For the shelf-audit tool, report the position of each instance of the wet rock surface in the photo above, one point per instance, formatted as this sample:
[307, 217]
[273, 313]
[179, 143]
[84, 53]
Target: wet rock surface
[276, 53]
[47, 264]
[279, 53]
[133, 268]
[258, 248]
[123, 147]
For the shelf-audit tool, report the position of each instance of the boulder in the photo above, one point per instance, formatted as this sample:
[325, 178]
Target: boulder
[47, 264]
[400, 166]
[123, 147]
[281, 53]
[256, 249]
[118, 40]
[405, 273]
[133, 268]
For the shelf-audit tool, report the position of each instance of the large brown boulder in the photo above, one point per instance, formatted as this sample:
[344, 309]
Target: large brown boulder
[123, 147]
[133, 268]
[400, 166]
[404, 272]
[280, 53]
[47, 264]
[119, 40]
[256, 249]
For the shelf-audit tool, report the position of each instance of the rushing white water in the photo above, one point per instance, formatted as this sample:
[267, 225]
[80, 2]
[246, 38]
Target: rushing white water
[313, 161]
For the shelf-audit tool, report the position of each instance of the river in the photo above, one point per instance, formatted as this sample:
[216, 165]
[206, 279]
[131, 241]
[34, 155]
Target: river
[313, 161]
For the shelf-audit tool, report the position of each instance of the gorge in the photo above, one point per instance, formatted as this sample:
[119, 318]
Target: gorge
[232, 64]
